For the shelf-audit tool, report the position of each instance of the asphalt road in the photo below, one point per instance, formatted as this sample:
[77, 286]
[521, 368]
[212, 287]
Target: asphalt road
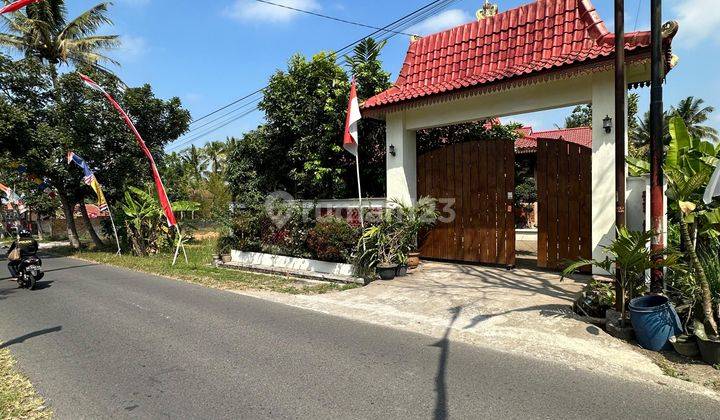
[103, 342]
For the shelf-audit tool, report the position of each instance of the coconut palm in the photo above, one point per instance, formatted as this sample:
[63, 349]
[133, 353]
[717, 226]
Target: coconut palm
[215, 153]
[694, 114]
[195, 162]
[43, 32]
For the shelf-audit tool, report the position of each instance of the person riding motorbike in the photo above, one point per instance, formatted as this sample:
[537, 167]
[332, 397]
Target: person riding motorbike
[27, 246]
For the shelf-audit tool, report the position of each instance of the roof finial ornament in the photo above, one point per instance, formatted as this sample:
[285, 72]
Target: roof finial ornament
[488, 10]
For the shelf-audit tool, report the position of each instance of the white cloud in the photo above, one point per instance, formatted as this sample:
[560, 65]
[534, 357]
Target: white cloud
[699, 20]
[253, 11]
[445, 20]
[132, 47]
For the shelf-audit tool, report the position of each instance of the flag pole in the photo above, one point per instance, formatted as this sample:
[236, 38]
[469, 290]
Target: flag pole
[112, 222]
[179, 245]
[360, 212]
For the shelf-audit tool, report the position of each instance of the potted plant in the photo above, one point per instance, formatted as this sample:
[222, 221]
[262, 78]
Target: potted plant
[629, 258]
[412, 221]
[380, 248]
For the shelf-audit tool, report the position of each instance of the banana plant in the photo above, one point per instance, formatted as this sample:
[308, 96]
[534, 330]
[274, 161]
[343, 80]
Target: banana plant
[688, 168]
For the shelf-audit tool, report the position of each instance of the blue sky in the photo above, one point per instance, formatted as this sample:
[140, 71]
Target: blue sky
[211, 53]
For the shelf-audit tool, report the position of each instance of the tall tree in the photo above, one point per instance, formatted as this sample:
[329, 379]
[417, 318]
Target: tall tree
[42, 31]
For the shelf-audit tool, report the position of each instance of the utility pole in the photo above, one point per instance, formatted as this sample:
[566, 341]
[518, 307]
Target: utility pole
[657, 210]
[620, 113]
[620, 124]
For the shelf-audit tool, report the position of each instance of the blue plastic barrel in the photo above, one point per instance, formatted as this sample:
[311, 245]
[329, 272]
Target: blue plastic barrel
[654, 321]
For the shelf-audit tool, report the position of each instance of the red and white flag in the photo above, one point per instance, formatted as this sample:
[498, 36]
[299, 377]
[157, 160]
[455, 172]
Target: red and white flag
[350, 142]
[15, 6]
[162, 194]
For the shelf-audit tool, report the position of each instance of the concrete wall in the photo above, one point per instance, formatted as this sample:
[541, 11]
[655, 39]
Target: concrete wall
[596, 88]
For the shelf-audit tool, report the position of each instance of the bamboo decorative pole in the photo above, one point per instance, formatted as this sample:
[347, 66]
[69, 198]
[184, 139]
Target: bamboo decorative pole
[656, 142]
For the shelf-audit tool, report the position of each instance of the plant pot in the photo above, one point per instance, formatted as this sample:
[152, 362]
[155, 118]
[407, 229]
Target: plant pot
[401, 270]
[413, 260]
[709, 351]
[386, 271]
[655, 321]
[216, 259]
[686, 345]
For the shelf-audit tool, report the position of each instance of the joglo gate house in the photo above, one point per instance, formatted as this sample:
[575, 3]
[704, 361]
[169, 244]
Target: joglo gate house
[543, 55]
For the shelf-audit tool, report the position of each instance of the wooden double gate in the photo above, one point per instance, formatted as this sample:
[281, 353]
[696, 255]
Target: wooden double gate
[476, 181]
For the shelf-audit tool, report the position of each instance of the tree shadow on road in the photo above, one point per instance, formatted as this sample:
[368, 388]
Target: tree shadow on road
[441, 402]
[28, 336]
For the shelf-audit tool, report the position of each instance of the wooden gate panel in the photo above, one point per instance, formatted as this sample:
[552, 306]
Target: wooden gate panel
[478, 176]
[564, 199]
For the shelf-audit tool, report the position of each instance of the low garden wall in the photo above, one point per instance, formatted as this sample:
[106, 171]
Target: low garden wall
[290, 263]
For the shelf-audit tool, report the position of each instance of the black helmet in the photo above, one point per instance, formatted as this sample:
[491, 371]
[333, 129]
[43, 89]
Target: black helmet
[25, 234]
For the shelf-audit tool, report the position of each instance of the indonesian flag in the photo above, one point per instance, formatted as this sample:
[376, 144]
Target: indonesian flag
[15, 6]
[350, 142]
[162, 194]
[713, 188]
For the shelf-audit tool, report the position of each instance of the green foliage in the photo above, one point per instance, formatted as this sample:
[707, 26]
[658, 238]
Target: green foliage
[395, 234]
[143, 219]
[630, 256]
[581, 116]
[293, 231]
[332, 239]
[435, 138]
[596, 299]
[43, 32]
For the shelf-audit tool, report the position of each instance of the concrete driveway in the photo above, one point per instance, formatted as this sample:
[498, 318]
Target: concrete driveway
[521, 311]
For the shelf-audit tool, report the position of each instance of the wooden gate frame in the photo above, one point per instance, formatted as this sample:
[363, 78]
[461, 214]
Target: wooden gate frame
[483, 230]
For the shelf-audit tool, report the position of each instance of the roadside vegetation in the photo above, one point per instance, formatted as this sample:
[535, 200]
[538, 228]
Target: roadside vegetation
[18, 399]
[199, 271]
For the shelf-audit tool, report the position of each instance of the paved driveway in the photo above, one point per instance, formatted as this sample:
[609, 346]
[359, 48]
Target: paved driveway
[522, 311]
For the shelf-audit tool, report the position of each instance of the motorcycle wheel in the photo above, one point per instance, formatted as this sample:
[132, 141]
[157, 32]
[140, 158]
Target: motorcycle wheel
[31, 282]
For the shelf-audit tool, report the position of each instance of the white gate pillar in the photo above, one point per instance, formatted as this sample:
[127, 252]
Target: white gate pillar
[603, 164]
[402, 167]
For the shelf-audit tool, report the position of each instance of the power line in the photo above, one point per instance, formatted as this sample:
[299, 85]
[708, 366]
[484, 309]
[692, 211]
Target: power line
[404, 22]
[325, 16]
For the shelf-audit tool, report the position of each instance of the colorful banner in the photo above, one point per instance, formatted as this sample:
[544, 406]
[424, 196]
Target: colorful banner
[13, 198]
[162, 194]
[89, 179]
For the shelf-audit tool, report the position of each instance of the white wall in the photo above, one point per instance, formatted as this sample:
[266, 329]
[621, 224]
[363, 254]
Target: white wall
[401, 168]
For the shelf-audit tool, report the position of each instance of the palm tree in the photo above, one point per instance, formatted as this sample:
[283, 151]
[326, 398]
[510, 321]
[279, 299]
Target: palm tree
[692, 111]
[43, 32]
[367, 69]
[215, 153]
[195, 162]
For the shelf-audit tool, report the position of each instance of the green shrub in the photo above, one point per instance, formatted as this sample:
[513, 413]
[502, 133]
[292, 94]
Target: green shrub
[332, 239]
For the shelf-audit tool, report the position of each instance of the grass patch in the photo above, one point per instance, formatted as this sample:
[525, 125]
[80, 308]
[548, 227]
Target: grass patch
[199, 271]
[18, 399]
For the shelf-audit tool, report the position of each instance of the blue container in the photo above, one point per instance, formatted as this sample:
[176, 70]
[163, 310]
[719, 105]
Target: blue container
[654, 321]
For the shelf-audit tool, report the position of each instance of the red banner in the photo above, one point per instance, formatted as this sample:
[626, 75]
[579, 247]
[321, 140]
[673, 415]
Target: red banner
[164, 201]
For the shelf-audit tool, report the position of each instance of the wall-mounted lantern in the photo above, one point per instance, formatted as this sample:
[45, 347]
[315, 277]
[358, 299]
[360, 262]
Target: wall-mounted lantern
[607, 124]
[392, 150]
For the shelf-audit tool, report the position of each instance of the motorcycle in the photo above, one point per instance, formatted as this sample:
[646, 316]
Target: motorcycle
[28, 272]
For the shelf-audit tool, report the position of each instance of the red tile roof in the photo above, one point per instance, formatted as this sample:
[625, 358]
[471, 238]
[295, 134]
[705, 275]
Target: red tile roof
[541, 36]
[527, 143]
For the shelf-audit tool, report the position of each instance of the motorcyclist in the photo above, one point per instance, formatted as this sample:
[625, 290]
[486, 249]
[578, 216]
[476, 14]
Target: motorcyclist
[28, 247]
